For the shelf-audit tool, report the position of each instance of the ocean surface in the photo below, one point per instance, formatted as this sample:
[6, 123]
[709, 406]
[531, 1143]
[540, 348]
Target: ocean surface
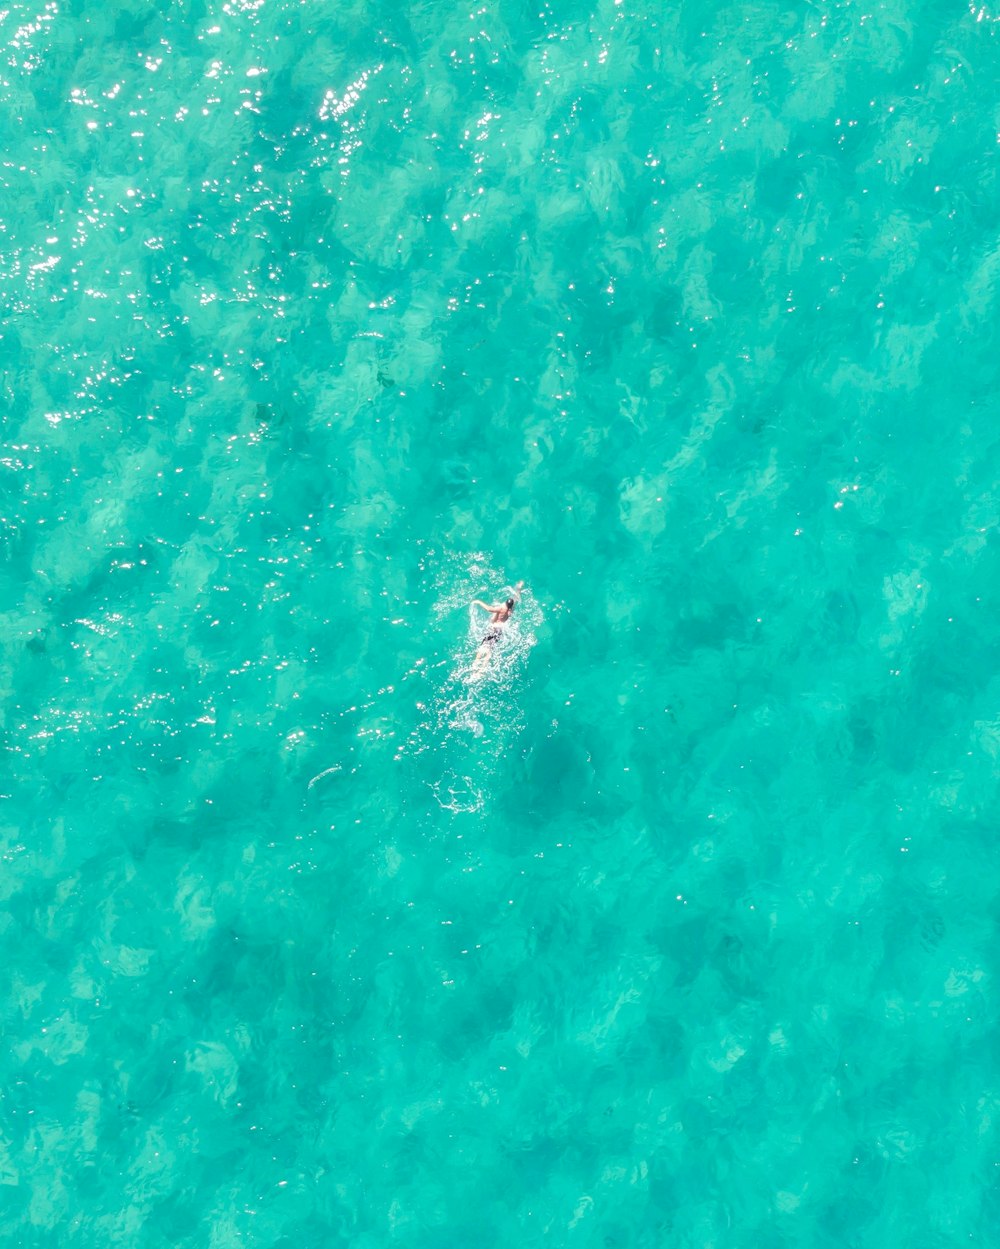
[678, 927]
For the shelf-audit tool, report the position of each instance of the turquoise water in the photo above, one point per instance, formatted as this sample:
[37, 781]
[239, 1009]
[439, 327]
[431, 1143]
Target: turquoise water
[679, 926]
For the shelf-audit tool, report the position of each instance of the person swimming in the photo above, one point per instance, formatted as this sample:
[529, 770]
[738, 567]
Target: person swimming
[500, 613]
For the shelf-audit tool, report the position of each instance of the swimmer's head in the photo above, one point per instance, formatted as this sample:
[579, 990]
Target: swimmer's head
[510, 604]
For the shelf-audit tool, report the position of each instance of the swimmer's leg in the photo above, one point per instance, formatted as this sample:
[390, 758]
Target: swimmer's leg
[482, 660]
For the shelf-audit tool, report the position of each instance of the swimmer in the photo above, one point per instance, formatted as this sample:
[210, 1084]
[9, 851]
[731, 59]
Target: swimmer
[500, 613]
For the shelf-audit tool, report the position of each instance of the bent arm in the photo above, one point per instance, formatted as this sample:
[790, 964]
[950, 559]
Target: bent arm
[478, 602]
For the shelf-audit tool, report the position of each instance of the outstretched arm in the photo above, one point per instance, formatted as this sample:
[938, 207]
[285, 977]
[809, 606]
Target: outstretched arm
[478, 602]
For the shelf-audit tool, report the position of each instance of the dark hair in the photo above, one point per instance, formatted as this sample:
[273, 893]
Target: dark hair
[510, 604]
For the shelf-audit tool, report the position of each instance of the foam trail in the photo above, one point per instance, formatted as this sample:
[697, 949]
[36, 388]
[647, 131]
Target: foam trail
[326, 772]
